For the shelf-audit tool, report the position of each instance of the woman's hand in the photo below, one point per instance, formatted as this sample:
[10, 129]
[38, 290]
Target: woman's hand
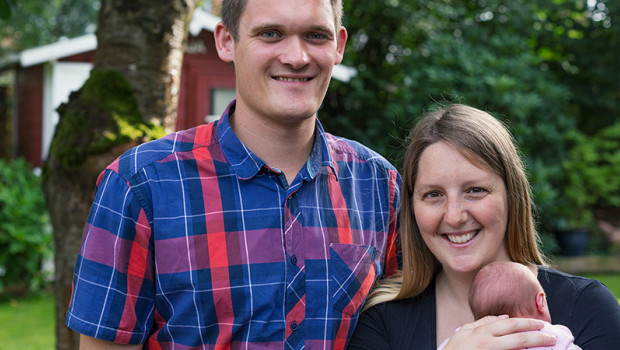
[500, 333]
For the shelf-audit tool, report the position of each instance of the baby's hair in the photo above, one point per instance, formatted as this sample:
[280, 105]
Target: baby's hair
[504, 288]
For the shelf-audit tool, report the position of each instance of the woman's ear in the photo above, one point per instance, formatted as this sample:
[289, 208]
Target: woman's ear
[224, 43]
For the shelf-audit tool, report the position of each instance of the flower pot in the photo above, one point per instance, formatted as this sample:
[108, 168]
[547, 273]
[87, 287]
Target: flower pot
[573, 242]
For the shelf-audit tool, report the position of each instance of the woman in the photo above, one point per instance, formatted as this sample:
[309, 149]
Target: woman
[466, 203]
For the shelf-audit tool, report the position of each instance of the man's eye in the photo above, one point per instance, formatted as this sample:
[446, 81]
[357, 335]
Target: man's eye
[269, 34]
[317, 36]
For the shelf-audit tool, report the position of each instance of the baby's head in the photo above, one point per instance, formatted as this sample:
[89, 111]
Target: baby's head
[508, 288]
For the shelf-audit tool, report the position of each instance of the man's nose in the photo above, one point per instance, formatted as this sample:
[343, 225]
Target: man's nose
[295, 53]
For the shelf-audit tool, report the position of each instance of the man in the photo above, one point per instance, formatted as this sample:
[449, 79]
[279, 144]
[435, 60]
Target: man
[259, 230]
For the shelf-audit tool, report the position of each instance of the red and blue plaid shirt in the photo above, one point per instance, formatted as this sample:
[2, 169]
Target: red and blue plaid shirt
[193, 242]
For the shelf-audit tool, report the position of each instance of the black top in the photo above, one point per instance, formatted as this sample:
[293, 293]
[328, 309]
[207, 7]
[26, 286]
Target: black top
[585, 306]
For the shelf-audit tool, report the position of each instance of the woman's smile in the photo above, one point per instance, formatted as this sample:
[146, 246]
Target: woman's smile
[461, 238]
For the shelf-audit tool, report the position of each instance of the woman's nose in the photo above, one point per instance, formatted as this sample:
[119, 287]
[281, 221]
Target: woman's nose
[455, 214]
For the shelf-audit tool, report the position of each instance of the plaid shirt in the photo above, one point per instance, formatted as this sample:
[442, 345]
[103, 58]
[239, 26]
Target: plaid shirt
[193, 242]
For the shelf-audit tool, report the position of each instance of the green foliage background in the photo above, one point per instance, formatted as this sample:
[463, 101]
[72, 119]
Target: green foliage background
[25, 233]
[26, 24]
[543, 67]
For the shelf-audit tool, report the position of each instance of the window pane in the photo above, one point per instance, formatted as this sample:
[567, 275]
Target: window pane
[220, 98]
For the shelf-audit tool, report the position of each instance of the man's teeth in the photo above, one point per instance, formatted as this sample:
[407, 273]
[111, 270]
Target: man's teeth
[461, 238]
[292, 79]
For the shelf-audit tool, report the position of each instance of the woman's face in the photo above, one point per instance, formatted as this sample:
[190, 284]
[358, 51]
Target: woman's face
[461, 209]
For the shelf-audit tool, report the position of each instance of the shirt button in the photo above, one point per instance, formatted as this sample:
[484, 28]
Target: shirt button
[293, 326]
[294, 260]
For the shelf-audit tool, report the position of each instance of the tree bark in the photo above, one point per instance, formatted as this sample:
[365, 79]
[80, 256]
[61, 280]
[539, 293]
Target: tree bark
[69, 194]
[144, 40]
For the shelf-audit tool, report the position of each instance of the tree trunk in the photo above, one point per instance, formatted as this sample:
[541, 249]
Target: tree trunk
[144, 41]
[69, 194]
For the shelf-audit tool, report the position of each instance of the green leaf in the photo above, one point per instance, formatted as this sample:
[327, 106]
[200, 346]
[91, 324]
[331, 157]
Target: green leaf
[6, 9]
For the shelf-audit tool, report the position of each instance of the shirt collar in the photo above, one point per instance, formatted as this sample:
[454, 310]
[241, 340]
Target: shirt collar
[321, 155]
[247, 164]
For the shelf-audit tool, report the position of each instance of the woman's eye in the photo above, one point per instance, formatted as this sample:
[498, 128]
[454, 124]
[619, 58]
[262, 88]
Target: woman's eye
[476, 190]
[432, 194]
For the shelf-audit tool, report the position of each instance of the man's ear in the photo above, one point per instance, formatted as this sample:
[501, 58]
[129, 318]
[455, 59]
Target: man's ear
[224, 42]
[341, 41]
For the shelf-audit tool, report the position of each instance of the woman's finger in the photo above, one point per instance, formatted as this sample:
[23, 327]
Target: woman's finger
[506, 326]
[524, 340]
[484, 321]
[500, 333]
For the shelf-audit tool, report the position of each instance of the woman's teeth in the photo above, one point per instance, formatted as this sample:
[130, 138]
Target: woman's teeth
[462, 238]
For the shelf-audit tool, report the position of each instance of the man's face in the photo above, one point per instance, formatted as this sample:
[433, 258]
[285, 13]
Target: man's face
[284, 58]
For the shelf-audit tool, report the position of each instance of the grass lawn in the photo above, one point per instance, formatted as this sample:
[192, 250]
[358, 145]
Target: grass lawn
[28, 323]
[611, 281]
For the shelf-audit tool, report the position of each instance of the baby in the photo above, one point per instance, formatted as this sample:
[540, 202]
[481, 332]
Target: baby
[510, 288]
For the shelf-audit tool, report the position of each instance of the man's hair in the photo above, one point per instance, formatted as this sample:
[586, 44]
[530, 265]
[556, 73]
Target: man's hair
[232, 10]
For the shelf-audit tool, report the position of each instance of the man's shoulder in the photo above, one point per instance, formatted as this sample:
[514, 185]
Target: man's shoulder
[350, 150]
[137, 158]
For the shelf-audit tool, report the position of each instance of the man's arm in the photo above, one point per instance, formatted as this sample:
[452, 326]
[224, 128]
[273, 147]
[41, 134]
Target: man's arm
[90, 343]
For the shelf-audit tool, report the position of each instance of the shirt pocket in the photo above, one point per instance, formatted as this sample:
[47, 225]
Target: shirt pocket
[353, 273]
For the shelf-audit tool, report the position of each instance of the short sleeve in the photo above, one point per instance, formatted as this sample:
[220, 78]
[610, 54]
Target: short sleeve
[596, 318]
[113, 287]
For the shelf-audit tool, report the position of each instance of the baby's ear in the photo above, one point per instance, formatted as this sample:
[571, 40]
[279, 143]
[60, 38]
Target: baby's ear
[541, 301]
[541, 306]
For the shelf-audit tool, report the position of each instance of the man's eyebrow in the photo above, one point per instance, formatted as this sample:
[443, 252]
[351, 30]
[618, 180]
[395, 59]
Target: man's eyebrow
[261, 27]
[321, 28]
[266, 27]
[274, 26]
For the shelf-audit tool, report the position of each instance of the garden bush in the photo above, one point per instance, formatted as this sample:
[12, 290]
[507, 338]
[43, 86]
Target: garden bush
[25, 232]
[592, 170]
